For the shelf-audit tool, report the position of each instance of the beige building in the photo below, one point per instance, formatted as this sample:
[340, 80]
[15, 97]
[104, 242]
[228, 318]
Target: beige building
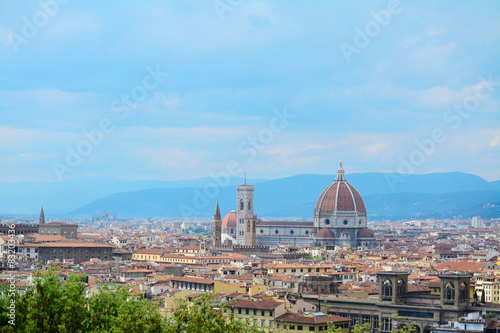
[262, 314]
[490, 286]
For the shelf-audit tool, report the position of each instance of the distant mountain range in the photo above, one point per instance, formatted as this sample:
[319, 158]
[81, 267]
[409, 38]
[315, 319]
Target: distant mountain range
[436, 195]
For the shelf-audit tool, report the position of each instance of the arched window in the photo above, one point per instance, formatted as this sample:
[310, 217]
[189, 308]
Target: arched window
[249, 205]
[401, 287]
[242, 205]
[464, 295]
[449, 291]
[327, 221]
[72, 235]
[65, 235]
[387, 288]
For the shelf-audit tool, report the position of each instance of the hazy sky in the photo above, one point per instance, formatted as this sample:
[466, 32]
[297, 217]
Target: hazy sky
[185, 89]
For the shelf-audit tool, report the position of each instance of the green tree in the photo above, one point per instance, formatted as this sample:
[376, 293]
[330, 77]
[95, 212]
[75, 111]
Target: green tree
[203, 315]
[362, 328]
[50, 306]
[332, 328]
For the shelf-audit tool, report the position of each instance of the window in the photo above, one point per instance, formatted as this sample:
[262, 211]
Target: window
[239, 311]
[276, 231]
[261, 231]
[387, 288]
[291, 232]
[254, 312]
[463, 291]
[311, 328]
[263, 312]
[262, 323]
[449, 291]
[327, 221]
[299, 328]
[401, 287]
[270, 324]
[249, 205]
[247, 311]
[307, 232]
[345, 222]
[386, 324]
[242, 207]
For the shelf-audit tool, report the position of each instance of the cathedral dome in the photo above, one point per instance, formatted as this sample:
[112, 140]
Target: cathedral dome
[229, 221]
[340, 196]
[365, 233]
[325, 233]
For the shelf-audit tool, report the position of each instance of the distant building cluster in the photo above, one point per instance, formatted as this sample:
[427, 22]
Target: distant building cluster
[108, 216]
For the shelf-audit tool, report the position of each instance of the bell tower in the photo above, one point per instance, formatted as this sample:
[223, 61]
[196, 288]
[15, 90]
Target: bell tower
[244, 205]
[41, 220]
[217, 227]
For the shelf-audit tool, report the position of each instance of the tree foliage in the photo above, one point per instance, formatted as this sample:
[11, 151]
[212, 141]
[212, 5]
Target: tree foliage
[51, 306]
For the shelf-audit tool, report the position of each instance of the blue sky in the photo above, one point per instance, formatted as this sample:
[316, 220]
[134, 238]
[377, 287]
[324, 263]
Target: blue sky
[232, 66]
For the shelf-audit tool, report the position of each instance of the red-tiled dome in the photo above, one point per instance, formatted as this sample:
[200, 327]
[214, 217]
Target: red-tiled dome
[229, 221]
[345, 231]
[365, 233]
[325, 233]
[340, 196]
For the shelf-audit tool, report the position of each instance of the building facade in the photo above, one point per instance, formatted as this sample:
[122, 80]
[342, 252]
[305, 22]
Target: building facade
[340, 219]
[397, 307]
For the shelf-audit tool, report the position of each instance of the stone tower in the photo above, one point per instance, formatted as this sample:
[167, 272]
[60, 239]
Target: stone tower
[455, 290]
[217, 227]
[41, 220]
[250, 233]
[393, 285]
[244, 204]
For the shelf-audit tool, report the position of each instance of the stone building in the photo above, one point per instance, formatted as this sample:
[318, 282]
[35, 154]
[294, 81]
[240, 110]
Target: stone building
[75, 251]
[69, 231]
[339, 219]
[318, 284]
[396, 306]
[18, 228]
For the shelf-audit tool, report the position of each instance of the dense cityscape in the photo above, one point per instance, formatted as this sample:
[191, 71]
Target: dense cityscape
[426, 275]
